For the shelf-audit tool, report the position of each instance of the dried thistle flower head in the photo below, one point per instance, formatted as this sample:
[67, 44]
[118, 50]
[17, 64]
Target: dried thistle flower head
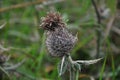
[59, 40]
[51, 21]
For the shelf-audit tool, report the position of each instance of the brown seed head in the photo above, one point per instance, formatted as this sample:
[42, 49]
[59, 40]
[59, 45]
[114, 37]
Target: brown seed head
[51, 21]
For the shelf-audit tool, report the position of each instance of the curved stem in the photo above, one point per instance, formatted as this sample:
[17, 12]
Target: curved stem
[61, 67]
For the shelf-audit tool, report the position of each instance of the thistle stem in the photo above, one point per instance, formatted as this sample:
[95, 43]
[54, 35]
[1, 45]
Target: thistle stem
[70, 59]
[61, 67]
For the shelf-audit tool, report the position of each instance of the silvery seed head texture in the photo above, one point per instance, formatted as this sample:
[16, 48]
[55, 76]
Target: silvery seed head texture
[59, 40]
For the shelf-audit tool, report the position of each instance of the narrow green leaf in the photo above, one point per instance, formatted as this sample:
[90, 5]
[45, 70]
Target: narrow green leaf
[112, 62]
[88, 62]
[103, 68]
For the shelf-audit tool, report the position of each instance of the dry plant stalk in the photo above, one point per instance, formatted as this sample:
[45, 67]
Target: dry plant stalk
[21, 5]
[60, 42]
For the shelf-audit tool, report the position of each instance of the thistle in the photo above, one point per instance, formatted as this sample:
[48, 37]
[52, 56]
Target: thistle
[60, 42]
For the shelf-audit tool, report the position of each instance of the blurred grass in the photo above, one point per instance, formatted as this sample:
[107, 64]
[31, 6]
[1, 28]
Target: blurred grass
[22, 33]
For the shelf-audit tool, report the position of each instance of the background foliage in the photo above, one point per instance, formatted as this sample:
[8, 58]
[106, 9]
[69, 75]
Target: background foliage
[21, 39]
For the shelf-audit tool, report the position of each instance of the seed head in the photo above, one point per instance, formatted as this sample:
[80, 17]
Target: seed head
[52, 21]
[59, 40]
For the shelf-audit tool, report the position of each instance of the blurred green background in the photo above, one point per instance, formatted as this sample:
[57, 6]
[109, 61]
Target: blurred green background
[24, 40]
